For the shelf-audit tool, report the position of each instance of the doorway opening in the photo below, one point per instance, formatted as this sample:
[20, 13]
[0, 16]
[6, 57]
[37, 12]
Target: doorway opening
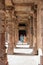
[22, 32]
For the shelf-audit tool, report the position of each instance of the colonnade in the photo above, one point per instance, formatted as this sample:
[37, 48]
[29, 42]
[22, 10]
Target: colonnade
[7, 24]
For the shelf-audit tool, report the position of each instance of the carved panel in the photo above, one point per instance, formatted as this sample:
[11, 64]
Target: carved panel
[2, 21]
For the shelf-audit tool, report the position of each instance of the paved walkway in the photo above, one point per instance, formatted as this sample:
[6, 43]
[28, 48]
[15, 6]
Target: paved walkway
[23, 60]
[18, 59]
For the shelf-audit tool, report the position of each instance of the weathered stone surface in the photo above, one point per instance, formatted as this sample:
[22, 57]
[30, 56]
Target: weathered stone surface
[41, 60]
[3, 56]
[2, 21]
[20, 12]
[2, 62]
[2, 4]
[10, 44]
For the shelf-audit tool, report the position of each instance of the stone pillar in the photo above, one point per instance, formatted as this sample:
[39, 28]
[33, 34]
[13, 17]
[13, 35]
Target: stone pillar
[41, 60]
[3, 57]
[40, 30]
[31, 32]
[10, 31]
[16, 33]
[41, 57]
[34, 34]
[11, 39]
[10, 44]
[28, 32]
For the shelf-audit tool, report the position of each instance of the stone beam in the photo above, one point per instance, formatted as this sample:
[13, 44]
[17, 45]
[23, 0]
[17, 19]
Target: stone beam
[24, 12]
[22, 1]
[21, 12]
[23, 4]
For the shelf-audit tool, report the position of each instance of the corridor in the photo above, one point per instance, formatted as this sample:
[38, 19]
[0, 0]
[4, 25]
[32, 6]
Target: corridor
[23, 56]
[21, 32]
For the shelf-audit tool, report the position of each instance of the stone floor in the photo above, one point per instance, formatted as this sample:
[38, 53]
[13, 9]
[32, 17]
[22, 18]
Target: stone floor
[23, 48]
[24, 51]
[23, 60]
[18, 59]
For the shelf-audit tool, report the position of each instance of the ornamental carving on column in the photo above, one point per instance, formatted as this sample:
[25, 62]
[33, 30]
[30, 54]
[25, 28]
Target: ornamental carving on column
[9, 22]
[2, 21]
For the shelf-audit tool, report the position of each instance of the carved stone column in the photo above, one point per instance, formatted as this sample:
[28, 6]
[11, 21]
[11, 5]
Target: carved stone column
[3, 57]
[11, 39]
[40, 30]
[16, 33]
[31, 32]
[35, 30]
[28, 32]
[41, 15]
[10, 44]
[10, 31]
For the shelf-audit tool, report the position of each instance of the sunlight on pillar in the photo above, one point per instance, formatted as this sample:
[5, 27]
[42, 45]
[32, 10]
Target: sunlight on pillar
[40, 51]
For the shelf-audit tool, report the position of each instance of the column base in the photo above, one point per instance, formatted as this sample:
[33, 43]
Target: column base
[10, 51]
[41, 60]
[30, 46]
[35, 51]
[38, 64]
[2, 62]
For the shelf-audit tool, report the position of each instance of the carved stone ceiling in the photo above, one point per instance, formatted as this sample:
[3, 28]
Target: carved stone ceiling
[22, 8]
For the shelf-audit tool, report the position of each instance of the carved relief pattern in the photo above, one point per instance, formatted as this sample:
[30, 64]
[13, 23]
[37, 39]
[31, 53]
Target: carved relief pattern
[2, 21]
[3, 57]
